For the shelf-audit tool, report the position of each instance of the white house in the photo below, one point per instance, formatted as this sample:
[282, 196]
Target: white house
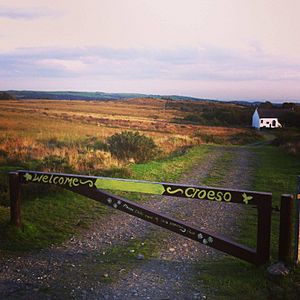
[267, 118]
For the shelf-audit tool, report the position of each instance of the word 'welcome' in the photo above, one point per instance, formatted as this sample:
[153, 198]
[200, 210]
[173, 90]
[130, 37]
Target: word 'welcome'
[58, 180]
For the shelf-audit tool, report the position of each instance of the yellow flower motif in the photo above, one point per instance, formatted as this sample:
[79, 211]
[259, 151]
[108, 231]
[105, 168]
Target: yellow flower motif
[246, 198]
[28, 177]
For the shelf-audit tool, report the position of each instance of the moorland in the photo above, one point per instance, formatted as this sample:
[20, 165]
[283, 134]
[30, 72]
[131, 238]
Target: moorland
[78, 137]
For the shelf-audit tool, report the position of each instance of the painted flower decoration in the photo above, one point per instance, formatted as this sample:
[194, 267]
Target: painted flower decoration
[27, 177]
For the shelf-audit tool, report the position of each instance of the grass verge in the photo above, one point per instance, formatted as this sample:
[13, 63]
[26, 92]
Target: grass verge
[50, 218]
[47, 220]
[275, 171]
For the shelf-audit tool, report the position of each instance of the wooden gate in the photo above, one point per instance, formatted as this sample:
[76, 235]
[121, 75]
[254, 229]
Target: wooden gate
[93, 187]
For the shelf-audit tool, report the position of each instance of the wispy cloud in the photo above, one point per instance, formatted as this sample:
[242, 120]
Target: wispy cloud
[206, 63]
[16, 13]
[194, 71]
[64, 64]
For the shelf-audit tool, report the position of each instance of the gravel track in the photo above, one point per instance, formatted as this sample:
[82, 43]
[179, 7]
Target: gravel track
[43, 275]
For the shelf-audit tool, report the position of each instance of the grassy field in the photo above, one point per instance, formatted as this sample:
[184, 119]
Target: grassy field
[75, 120]
[71, 136]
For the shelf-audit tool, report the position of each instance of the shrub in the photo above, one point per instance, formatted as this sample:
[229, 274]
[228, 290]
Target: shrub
[129, 145]
[55, 163]
[247, 137]
[94, 160]
[289, 140]
[209, 138]
[291, 119]
[115, 172]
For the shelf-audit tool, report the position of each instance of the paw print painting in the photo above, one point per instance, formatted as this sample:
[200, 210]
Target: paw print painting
[203, 240]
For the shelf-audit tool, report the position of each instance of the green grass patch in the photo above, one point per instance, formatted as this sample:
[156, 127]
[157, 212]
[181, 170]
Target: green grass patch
[231, 278]
[220, 169]
[170, 169]
[276, 172]
[48, 220]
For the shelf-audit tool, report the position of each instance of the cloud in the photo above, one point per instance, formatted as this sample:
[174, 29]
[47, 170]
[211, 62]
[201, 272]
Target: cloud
[206, 63]
[205, 66]
[27, 13]
[68, 65]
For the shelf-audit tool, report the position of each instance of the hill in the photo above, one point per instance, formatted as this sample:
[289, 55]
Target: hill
[71, 95]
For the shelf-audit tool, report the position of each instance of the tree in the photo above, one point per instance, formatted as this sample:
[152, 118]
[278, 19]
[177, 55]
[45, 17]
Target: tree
[289, 105]
[6, 96]
[266, 105]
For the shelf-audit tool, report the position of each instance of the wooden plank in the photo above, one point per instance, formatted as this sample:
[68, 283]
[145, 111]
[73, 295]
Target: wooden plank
[141, 212]
[89, 186]
[157, 188]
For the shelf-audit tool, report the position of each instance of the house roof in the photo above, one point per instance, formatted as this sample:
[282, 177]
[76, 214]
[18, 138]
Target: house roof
[271, 113]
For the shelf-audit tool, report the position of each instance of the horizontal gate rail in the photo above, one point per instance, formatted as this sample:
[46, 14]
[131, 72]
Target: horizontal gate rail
[148, 187]
[92, 187]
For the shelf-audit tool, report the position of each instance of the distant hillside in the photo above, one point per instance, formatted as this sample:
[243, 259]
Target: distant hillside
[69, 95]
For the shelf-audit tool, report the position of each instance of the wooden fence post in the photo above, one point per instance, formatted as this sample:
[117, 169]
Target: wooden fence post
[297, 225]
[286, 229]
[264, 211]
[15, 199]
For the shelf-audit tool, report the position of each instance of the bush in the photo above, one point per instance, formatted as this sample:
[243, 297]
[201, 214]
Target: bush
[291, 119]
[289, 140]
[54, 163]
[93, 160]
[247, 137]
[115, 172]
[132, 146]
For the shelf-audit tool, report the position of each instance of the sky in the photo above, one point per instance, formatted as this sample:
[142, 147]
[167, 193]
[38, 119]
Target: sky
[216, 49]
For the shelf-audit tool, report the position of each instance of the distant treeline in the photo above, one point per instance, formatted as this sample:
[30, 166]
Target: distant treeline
[6, 96]
[222, 117]
[225, 114]
[213, 114]
[291, 118]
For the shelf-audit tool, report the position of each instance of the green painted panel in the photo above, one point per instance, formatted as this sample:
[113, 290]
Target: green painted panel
[129, 186]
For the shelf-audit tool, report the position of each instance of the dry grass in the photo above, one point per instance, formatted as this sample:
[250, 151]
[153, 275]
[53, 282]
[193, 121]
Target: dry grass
[26, 127]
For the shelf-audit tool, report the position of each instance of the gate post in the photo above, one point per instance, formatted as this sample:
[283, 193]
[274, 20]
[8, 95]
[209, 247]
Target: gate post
[15, 200]
[264, 230]
[297, 225]
[286, 229]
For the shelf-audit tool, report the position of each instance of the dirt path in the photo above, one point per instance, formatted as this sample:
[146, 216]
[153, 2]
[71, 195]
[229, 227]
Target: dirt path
[63, 272]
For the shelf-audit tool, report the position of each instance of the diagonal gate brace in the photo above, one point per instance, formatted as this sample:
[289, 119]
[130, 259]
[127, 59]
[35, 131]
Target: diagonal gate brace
[92, 187]
[141, 212]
